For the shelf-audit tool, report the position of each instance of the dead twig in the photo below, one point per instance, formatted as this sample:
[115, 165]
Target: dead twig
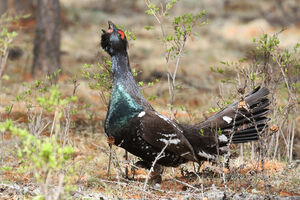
[159, 156]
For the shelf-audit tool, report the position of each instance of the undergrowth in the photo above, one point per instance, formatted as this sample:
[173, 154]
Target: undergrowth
[47, 148]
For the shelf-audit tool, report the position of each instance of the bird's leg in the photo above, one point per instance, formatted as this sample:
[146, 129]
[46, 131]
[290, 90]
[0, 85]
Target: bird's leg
[110, 141]
[190, 175]
[126, 168]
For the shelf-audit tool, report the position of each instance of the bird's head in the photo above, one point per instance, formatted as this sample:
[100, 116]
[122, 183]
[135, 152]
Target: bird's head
[113, 40]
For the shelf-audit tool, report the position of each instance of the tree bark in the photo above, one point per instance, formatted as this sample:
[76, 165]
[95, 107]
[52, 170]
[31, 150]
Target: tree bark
[47, 38]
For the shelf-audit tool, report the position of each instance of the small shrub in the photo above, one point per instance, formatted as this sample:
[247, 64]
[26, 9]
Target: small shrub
[45, 158]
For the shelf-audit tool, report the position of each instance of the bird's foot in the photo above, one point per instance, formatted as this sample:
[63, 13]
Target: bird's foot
[189, 175]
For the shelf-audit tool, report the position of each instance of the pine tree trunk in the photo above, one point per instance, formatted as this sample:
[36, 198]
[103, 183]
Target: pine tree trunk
[47, 38]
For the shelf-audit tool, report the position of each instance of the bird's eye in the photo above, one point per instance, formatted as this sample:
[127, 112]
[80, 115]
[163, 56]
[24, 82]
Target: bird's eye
[121, 34]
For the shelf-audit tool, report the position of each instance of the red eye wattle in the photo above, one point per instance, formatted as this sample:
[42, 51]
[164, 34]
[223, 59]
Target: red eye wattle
[122, 34]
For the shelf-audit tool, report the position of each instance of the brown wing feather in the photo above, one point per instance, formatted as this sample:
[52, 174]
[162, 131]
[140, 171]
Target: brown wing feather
[158, 131]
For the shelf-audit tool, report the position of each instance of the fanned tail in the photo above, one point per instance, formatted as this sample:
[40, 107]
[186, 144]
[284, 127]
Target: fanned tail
[250, 119]
[242, 121]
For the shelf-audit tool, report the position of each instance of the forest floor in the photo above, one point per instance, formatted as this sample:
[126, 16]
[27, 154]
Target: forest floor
[227, 37]
[244, 178]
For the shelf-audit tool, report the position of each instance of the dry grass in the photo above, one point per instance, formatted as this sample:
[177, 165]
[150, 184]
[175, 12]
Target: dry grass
[90, 164]
[223, 39]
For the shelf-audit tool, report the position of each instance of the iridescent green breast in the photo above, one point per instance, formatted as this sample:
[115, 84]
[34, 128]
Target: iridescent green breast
[122, 108]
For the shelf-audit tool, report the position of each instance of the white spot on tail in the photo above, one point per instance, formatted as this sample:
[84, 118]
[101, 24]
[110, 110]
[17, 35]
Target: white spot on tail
[171, 141]
[168, 135]
[141, 114]
[206, 155]
[223, 138]
[227, 119]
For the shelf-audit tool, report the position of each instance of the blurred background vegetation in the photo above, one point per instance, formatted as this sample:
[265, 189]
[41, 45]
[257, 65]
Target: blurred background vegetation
[75, 29]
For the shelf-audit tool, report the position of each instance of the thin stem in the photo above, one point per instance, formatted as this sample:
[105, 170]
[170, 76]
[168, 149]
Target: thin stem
[159, 156]
[60, 186]
[188, 185]
[172, 86]
[292, 138]
[53, 123]
[179, 58]
[2, 147]
[4, 57]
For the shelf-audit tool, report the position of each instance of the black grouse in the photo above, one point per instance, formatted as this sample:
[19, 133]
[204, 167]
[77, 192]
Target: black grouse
[135, 126]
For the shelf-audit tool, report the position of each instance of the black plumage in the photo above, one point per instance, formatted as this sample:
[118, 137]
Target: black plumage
[138, 128]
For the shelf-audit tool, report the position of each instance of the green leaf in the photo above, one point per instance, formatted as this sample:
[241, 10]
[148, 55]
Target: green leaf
[148, 27]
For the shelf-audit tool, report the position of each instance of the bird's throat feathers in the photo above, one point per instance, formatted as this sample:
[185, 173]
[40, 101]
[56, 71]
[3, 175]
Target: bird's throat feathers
[120, 66]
